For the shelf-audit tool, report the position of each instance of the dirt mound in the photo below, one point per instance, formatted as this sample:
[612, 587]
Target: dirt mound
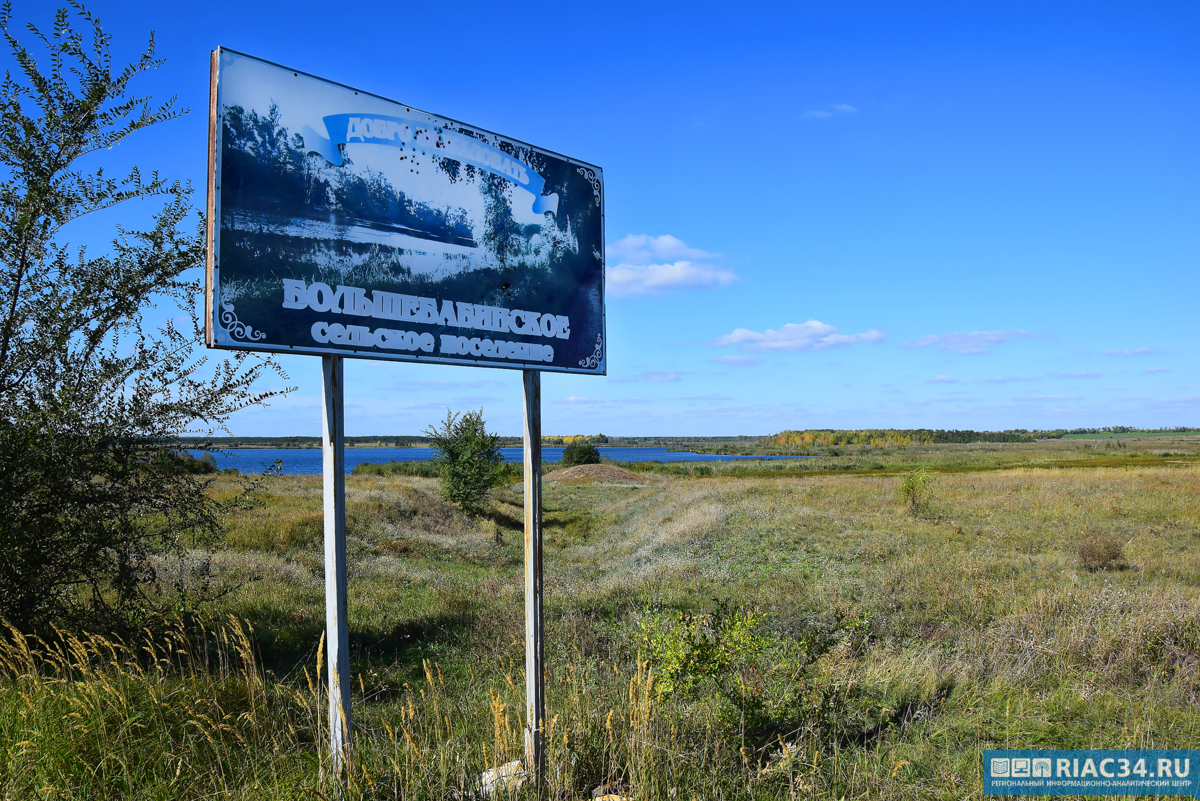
[598, 474]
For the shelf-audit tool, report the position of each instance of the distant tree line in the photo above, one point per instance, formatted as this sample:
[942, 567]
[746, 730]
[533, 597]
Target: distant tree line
[1132, 430]
[1011, 435]
[407, 440]
[785, 440]
[587, 439]
[901, 437]
[391, 440]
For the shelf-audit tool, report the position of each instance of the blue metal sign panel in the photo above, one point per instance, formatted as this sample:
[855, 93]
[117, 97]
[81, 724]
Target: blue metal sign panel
[344, 223]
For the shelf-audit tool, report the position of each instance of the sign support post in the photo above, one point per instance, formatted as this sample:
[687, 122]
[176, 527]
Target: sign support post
[400, 312]
[337, 638]
[535, 679]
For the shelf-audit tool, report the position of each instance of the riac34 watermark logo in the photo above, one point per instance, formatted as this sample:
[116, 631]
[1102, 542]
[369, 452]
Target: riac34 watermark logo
[1021, 767]
[1092, 772]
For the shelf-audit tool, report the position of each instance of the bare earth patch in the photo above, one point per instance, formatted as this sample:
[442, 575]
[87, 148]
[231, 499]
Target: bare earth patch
[600, 474]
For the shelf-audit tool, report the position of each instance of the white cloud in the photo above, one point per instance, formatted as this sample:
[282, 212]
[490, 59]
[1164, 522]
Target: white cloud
[654, 279]
[1080, 374]
[600, 402]
[652, 265]
[433, 382]
[942, 379]
[645, 249]
[834, 108]
[652, 377]
[1149, 370]
[1005, 379]
[1189, 403]
[794, 338]
[967, 342]
[1134, 352]
[736, 361]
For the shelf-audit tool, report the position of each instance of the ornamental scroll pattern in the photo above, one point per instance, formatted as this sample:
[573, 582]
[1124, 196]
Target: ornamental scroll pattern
[236, 328]
[590, 174]
[593, 361]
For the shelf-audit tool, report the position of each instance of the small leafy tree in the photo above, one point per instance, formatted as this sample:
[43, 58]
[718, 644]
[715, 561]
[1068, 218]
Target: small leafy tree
[468, 460]
[92, 400]
[580, 452]
[916, 490]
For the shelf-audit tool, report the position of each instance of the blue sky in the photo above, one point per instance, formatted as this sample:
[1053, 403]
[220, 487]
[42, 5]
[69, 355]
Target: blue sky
[843, 215]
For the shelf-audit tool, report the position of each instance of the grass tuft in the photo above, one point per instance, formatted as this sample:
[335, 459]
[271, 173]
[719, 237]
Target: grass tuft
[1101, 552]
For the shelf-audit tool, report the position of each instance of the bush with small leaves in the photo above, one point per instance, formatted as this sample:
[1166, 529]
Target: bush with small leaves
[468, 461]
[96, 491]
[916, 490]
[580, 453]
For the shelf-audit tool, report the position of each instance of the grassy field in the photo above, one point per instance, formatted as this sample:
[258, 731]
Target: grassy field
[735, 634]
[1135, 435]
[974, 457]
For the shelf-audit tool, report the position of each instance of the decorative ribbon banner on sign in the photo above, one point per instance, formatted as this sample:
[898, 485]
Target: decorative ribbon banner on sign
[418, 137]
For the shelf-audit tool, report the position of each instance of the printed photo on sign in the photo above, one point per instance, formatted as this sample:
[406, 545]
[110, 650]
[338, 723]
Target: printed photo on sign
[346, 223]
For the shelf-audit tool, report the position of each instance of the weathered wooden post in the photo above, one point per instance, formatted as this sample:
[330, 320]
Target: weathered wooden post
[535, 679]
[337, 639]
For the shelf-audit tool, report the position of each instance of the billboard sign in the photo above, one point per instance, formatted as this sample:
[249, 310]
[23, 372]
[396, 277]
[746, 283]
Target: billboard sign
[344, 223]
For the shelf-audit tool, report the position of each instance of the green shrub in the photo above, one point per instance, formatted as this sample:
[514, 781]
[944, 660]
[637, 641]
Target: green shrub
[182, 462]
[758, 680]
[468, 461]
[580, 453]
[684, 650]
[394, 468]
[916, 490]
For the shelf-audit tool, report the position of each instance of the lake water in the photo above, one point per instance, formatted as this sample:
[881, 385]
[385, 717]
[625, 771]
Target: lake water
[422, 255]
[307, 461]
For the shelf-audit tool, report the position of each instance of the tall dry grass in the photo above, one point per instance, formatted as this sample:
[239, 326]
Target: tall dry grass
[972, 625]
[189, 712]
